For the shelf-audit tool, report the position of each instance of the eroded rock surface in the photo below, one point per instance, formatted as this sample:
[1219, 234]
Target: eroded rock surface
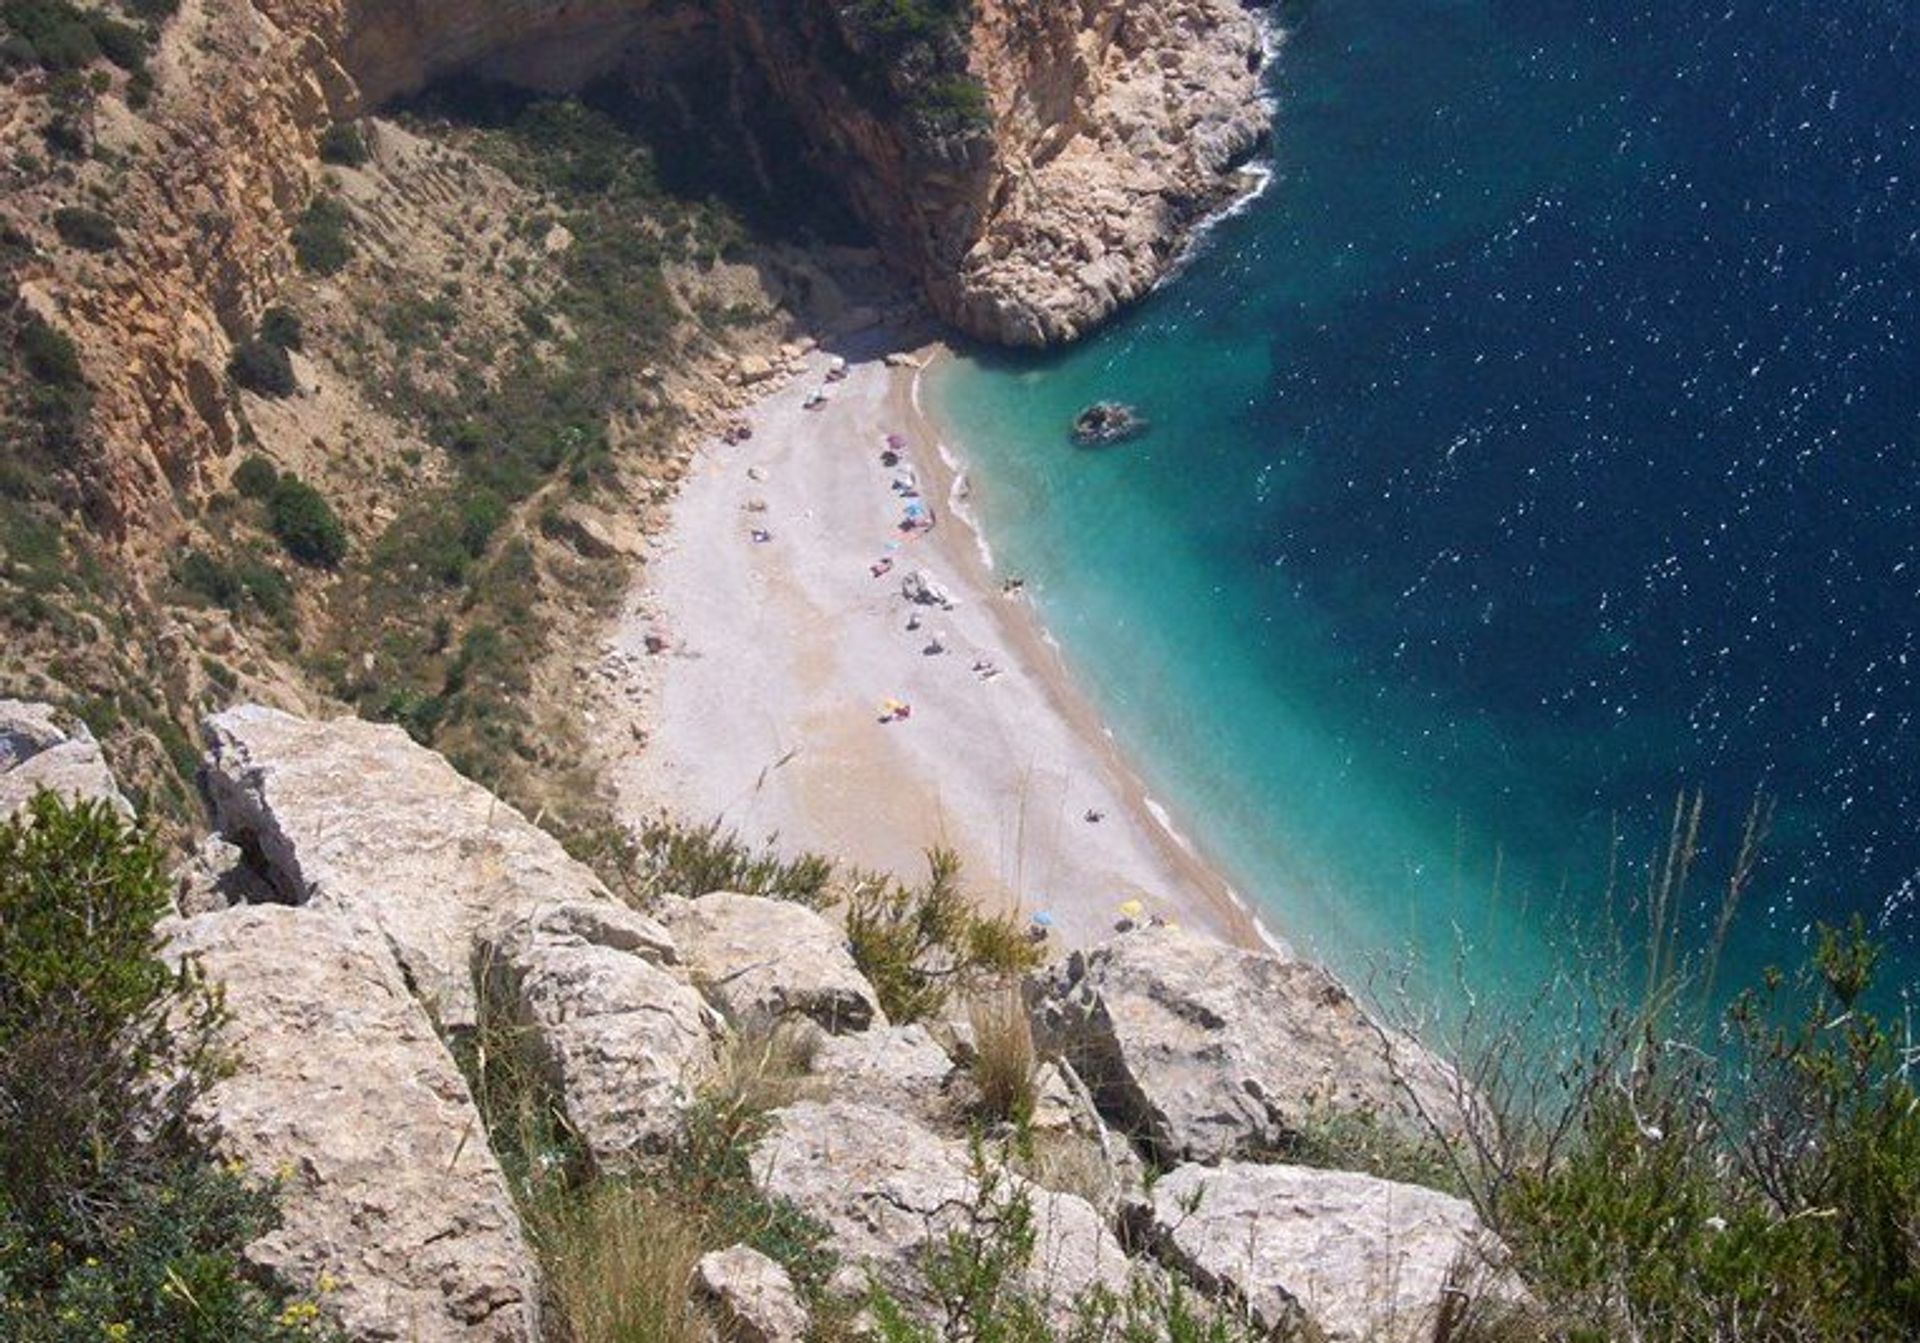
[1356, 1258]
[753, 1295]
[624, 1039]
[1203, 1052]
[761, 960]
[899, 1067]
[887, 1189]
[357, 817]
[343, 1092]
[40, 747]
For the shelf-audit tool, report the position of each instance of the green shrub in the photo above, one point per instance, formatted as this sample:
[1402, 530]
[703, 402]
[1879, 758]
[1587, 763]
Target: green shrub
[343, 144]
[263, 367]
[121, 43]
[917, 945]
[320, 238]
[255, 477]
[113, 1224]
[282, 327]
[48, 354]
[59, 33]
[481, 514]
[87, 229]
[305, 523]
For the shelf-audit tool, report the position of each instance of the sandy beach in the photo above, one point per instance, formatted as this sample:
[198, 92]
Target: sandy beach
[780, 654]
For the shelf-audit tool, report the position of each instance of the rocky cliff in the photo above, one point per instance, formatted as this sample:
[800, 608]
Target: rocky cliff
[381, 916]
[1081, 141]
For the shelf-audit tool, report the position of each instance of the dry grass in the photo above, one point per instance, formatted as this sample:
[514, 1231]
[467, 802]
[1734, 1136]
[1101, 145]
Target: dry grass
[1004, 1061]
[620, 1263]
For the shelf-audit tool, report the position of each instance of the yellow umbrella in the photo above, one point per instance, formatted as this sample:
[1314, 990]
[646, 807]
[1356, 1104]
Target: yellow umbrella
[1133, 909]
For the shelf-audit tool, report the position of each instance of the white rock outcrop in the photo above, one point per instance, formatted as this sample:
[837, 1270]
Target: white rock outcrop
[40, 747]
[899, 1067]
[1354, 1258]
[625, 1040]
[357, 817]
[888, 1190]
[341, 1090]
[761, 960]
[1203, 1052]
[753, 1296]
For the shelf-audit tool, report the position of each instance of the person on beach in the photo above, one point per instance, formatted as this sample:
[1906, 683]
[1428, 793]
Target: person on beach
[880, 567]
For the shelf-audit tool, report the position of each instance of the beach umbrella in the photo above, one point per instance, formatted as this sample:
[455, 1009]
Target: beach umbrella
[1132, 909]
[896, 442]
[1041, 919]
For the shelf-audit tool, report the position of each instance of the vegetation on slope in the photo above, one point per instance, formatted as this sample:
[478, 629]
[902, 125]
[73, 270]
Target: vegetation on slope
[114, 1223]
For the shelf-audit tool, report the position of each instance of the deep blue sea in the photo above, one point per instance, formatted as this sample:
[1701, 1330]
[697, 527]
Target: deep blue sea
[1544, 442]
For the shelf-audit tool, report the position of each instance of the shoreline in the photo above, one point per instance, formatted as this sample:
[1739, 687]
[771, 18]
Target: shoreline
[762, 663]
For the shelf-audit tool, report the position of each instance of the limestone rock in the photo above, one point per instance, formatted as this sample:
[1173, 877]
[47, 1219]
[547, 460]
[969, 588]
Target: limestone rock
[357, 817]
[1354, 1257]
[217, 876]
[624, 1040]
[760, 960]
[1202, 1052]
[900, 1067]
[886, 1189]
[755, 1297]
[342, 1089]
[40, 748]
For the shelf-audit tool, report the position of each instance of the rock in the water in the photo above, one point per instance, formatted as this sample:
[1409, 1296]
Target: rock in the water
[887, 1189]
[42, 748]
[1107, 422]
[760, 960]
[755, 1298]
[1353, 1257]
[624, 1041]
[1203, 1052]
[357, 817]
[341, 1088]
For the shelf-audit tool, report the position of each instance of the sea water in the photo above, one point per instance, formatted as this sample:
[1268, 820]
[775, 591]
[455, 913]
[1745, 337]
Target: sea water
[1543, 442]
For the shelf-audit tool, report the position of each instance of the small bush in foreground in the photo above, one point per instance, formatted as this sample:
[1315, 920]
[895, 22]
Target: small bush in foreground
[917, 945]
[113, 1223]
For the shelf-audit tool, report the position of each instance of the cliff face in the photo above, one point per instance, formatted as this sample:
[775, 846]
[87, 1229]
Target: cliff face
[1112, 125]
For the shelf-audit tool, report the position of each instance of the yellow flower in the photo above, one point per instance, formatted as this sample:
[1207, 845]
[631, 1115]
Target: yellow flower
[327, 1283]
[118, 1331]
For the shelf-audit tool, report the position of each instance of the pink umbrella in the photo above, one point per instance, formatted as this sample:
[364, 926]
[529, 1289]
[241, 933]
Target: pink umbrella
[896, 442]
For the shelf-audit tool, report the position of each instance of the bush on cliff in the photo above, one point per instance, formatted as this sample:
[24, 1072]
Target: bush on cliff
[306, 523]
[114, 1224]
[320, 238]
[87, 229]
[262, 367]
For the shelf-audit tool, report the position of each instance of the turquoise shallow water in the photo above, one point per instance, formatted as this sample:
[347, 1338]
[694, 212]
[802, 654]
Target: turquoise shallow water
[1543, 442]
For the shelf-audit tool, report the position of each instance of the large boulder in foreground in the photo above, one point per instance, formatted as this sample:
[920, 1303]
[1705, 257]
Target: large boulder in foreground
[357, 817]
[1203, 1052]
[623, 1039]
[888, 1190]
[40, 747]
[341, 1088]
[1354, 1258]
[760, 960]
